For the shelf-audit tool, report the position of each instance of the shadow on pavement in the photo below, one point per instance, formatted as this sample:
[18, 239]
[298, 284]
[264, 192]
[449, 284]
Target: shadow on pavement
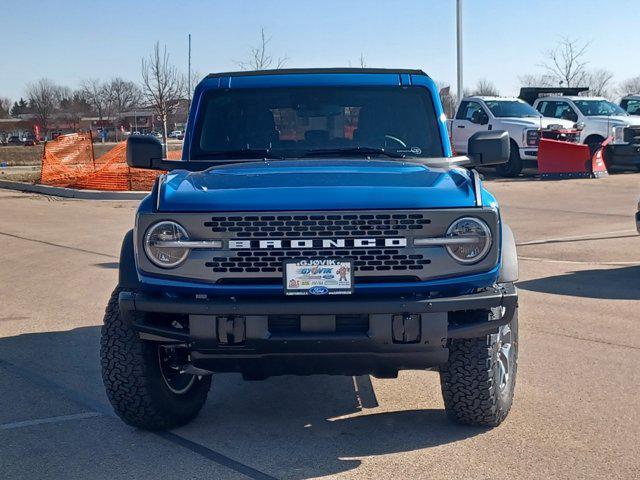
[613, 284]
[107, 264]
[294, 427]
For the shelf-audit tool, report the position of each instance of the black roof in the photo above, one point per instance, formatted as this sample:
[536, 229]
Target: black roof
[531, 94]
[290, 71]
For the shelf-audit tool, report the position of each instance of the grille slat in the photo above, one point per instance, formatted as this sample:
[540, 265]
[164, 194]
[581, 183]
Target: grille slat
[361, 257]
[348, 225]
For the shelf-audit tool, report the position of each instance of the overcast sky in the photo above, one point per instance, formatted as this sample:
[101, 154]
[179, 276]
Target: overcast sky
[67, 41]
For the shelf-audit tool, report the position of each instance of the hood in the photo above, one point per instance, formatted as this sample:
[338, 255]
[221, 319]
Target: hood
[537, 122]
[615, 119]
[316, 185]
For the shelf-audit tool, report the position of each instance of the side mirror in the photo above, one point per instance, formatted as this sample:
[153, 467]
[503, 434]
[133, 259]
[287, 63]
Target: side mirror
[489, 148]
[142, 150]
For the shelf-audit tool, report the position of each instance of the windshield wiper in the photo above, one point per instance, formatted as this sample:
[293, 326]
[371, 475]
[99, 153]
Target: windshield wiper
[355, 151]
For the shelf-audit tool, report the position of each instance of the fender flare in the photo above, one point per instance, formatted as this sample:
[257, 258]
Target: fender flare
[509, 265]
[127, 273]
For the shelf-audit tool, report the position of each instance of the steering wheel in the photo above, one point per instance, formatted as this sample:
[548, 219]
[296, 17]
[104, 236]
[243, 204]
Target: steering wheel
[395, 139]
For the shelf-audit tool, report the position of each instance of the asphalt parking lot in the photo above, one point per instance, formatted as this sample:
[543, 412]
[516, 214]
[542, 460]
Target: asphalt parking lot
[576, 413]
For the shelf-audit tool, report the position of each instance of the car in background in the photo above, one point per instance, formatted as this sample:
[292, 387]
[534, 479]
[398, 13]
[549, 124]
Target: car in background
[597, 117]
[523, 123]
[14, 140]
[631, 104]
[30, 140]
[177, 134]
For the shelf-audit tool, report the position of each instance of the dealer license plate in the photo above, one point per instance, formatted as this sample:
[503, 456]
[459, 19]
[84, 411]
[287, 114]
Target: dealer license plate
[318, 276]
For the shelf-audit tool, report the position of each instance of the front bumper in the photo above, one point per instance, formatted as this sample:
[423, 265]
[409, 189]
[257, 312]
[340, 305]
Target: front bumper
[395, 333]
[529, 153]
[622, 155]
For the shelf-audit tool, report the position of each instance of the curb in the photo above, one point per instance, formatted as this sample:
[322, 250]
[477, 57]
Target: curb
[71, 192]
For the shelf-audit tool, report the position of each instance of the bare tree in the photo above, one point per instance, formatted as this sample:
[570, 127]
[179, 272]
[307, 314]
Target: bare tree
[73, 105]
[566, 63]
[96, 94]
[536, 80]
[260, 58]
[485, 87]
[44, 99]
[123, 95]
[599, 82]
[5, 107]
[363, 63]
[629, 87]
[162, 84]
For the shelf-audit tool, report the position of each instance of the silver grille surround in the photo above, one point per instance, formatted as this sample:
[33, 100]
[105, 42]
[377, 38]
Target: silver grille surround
[221, 265]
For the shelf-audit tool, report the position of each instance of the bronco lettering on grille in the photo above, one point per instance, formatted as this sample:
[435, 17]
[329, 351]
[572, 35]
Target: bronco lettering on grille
[317, 243]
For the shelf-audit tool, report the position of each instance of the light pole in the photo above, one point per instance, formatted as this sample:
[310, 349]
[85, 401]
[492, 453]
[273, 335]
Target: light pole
[459, 47]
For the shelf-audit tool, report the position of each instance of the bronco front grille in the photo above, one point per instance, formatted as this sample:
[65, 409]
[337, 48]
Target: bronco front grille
[315, 225]
[255, 245]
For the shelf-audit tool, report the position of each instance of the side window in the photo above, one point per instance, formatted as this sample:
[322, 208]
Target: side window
[564, 111]
[472, 108]
[632, 107]
[461, 110]
[543, 108]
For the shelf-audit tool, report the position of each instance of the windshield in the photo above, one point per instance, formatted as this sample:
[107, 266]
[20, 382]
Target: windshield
[318, 121]
[591, 108]
[511, 108]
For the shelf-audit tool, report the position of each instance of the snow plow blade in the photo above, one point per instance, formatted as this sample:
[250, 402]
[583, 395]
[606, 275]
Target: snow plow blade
[560, 160]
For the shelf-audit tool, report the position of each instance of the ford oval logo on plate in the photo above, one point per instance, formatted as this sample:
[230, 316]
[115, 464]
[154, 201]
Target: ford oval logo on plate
[318, 290]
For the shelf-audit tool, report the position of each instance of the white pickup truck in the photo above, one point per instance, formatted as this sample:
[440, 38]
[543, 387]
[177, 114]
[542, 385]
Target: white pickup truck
[595, 116]
[518, 118]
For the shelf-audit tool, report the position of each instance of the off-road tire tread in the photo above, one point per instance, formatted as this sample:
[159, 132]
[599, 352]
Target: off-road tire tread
[132, 385]
[467, 382]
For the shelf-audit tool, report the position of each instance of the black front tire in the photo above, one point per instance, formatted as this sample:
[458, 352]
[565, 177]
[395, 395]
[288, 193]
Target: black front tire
[514, 166]
[134, 382]
[474, 387]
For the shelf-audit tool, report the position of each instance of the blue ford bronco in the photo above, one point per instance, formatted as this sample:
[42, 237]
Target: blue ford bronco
[317, 223]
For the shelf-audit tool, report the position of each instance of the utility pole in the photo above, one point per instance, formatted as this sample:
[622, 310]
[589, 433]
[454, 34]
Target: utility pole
[189, 74]
[459, 47]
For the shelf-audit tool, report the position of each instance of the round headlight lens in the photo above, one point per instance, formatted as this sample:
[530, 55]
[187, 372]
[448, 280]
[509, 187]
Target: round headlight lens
[156, 240]
[475, 237]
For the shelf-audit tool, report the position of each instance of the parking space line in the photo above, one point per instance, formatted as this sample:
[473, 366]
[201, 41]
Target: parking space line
[577, 262]
[583, 238]
[174, 438]
[215, 456]
[51, 244]
[584, 339]
[41, 421]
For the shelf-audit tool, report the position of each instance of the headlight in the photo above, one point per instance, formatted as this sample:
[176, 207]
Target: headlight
[158, 244]
[618, 135]
[532, 137]
[475, 240]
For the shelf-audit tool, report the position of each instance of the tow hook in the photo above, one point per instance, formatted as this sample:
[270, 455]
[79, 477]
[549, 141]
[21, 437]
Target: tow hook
[231, 330]
[406, 328]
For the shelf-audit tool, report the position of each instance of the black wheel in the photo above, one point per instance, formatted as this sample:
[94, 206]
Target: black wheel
[594, 142]
[143, 381]
[479, 380]
[514, 166]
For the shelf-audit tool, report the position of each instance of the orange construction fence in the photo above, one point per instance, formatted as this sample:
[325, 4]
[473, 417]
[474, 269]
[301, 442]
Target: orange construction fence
[69, 161]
